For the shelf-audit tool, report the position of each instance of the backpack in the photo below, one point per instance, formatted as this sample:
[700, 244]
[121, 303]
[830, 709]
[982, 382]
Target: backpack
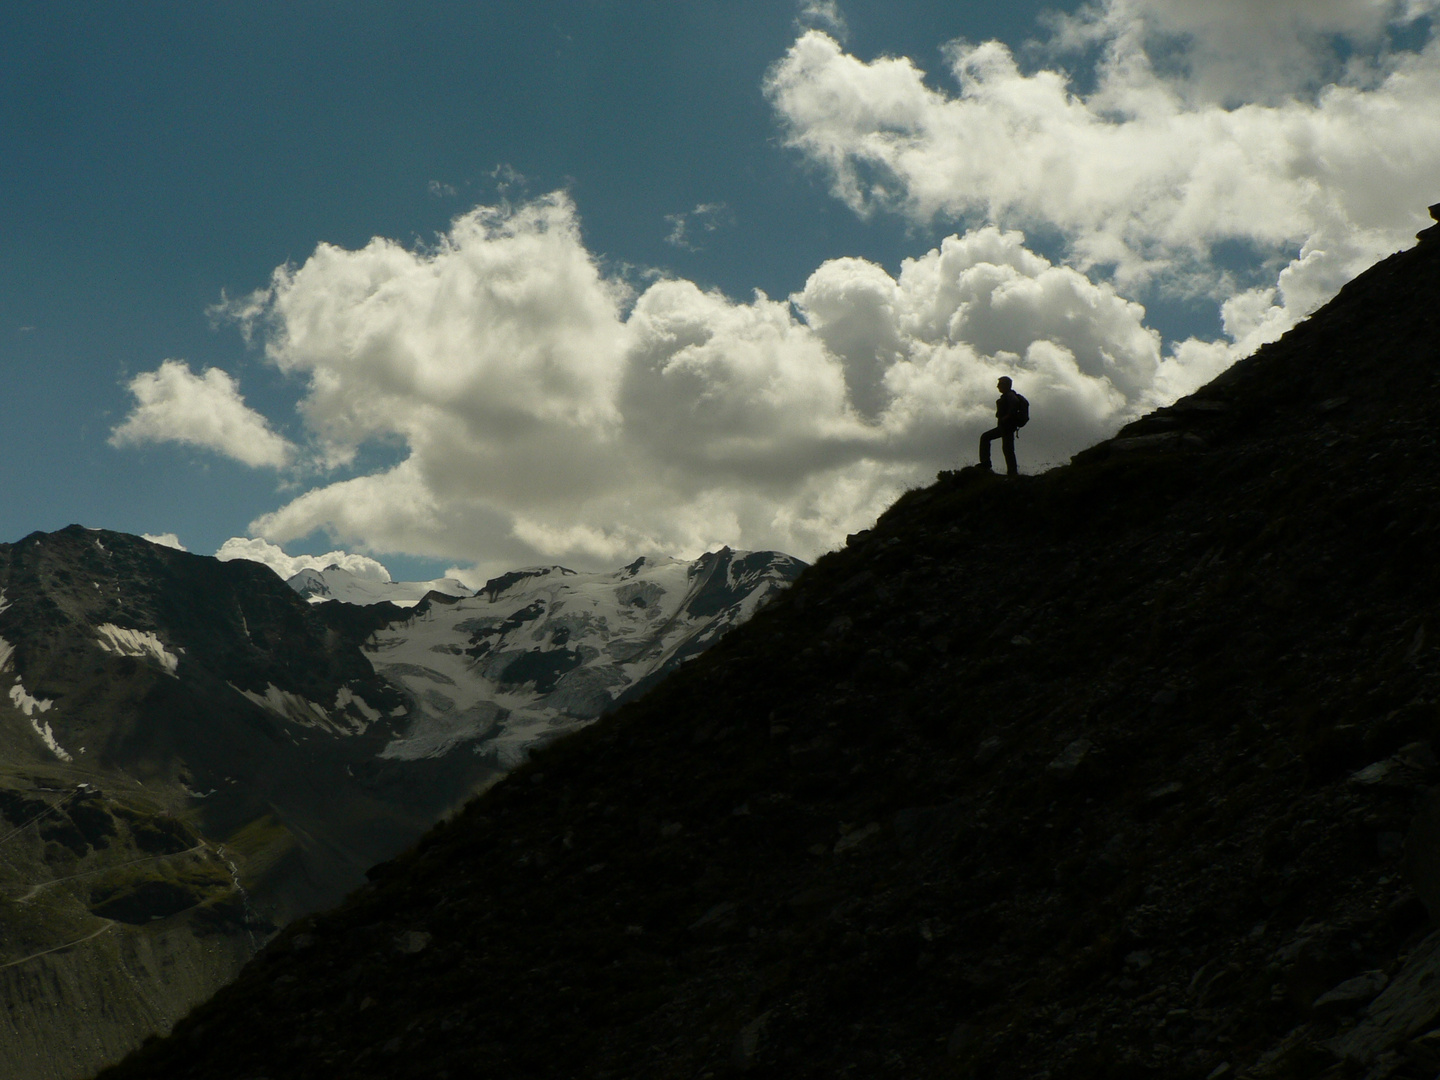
[1021, 416]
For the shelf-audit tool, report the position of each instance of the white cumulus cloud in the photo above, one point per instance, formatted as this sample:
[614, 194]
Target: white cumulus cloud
[1259, 155]
[1155, 168]
[169, 540]
[1240, 51]
[287, 566]
[175, 405]
[548, 414]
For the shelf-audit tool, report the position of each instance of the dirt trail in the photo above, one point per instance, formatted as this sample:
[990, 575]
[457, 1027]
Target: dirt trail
[30, 893]
[57, 948]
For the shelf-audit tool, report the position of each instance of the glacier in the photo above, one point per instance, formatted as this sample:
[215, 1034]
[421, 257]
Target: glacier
[544, 650]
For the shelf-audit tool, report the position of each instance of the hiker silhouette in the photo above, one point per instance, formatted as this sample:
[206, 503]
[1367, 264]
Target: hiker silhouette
[1012, 412]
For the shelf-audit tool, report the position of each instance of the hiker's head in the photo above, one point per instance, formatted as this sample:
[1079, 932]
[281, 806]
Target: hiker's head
[1004, 383]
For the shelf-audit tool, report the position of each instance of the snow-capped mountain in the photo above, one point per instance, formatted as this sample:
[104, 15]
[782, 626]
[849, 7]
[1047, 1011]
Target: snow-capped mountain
[336, 583]
[540, 651]
[193, 753]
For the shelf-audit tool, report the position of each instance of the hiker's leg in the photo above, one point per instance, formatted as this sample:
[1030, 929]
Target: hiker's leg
[993, 433]
[1007, 447]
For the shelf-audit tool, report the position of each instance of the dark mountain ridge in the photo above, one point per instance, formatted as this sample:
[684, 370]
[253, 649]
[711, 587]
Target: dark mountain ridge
[1124, 770]
[161, 698]
[191, 754]
[140, 786]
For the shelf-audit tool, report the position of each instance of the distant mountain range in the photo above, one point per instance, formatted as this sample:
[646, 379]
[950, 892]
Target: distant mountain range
[337, 583]
[192, 754]
[537, 652]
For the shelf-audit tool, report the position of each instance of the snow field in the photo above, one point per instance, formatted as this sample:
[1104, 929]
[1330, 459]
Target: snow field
[139, 643]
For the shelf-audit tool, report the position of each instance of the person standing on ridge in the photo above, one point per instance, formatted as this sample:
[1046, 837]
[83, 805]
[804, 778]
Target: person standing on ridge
[1012, 412]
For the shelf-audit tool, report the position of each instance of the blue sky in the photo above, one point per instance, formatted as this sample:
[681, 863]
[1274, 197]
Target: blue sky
[637, 157]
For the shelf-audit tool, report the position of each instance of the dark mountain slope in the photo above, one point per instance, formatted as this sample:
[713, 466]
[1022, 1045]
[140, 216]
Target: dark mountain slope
[1054, 777]
[191, 755]
[160, 817]
[146, 655]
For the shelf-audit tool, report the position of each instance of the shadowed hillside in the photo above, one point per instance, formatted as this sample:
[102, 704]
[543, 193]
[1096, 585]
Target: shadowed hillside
[191, 755]
[1102, 773]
